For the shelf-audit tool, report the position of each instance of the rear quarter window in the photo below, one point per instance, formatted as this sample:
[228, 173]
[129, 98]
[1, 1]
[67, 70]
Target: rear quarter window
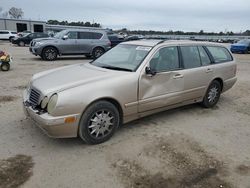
[219, 54]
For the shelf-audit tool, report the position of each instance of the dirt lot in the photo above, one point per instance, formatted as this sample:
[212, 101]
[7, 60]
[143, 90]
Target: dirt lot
[185, 147]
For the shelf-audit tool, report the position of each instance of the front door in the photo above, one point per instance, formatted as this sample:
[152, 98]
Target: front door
[69, 45]
[166, 86]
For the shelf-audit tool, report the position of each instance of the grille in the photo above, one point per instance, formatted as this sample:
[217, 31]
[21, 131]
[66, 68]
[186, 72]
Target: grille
[34, 97]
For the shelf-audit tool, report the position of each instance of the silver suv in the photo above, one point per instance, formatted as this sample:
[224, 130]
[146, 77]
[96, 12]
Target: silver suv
[71, 42]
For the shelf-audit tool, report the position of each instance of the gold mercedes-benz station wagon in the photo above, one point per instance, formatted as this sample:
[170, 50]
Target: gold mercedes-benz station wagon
[132, 80]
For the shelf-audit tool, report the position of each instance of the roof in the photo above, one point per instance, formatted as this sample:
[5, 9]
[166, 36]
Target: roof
[144, 42]
[151, 43]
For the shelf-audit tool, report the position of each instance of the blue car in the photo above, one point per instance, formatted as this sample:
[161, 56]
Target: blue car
[243, 46]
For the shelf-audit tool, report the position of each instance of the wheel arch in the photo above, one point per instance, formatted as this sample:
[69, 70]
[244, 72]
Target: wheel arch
[97, 47]
[220, 80]
[109, 99]
[58, 52]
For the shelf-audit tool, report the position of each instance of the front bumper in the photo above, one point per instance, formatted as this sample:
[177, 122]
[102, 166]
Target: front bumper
[53, 126]
[35, 50]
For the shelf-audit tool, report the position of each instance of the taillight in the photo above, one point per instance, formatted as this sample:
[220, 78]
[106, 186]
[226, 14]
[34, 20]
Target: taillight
[109, 43]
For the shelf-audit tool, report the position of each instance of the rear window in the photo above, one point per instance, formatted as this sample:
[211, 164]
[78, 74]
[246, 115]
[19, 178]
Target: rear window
[220, 54]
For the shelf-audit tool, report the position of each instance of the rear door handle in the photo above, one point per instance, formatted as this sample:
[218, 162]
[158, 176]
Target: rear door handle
[177, 76]
[209, 70]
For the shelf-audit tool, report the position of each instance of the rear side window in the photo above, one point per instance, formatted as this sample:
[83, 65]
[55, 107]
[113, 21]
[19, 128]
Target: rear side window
[13, 32]
[220, 54]
[89, 35]
[190, 56]
[205, 60]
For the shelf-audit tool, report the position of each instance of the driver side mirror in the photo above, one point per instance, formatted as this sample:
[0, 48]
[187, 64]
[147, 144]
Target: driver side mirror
[65, 37]
[148, 70]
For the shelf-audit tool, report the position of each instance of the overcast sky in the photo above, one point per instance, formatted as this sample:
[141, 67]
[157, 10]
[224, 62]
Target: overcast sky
[163, 15]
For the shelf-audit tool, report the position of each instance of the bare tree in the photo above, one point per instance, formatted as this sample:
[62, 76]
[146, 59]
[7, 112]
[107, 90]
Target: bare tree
[3, 14]
[16, 13]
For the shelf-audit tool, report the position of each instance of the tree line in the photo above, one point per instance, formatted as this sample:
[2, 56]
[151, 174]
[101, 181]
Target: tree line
[170, 32]
[79, 23]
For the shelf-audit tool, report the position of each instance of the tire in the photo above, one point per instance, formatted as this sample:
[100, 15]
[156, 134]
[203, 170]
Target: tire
[5, 66]
[49, 53]
[21, 43]
[11, 38]
[212, 95]
[99, 122]
[97, 52]
[246, 51]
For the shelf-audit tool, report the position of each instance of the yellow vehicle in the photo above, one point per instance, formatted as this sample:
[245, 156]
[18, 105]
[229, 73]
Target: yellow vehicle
[4, 61]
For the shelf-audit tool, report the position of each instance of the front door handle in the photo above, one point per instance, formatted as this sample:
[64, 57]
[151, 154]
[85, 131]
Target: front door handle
[209, 70]
[177, 76]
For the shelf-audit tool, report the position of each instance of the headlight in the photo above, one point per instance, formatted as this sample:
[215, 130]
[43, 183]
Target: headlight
[38, 43]
[44, 102]
[52, 103]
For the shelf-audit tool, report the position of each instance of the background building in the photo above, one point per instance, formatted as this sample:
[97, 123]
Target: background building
[19, 25]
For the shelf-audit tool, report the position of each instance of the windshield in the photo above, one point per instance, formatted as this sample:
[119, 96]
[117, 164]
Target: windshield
[60, 34]
[244, 42]
[123, 57]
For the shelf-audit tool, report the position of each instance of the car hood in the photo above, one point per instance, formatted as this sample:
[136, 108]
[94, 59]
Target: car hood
[56, 80]
[44, 39]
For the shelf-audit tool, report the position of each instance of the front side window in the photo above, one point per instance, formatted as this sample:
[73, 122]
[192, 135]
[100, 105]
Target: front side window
[123, 57]
[166, 59]
[220, 54]
[190, 56]
[72, 35]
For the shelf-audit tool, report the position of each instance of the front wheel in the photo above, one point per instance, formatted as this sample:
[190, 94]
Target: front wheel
[99, 122]
[5, 66]
[49, 54]
[97, 52]
[212, 95]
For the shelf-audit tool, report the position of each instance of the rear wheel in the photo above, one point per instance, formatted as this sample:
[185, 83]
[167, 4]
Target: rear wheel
[212, 95]
[99, 122]
[5, 66]
[97, 52]
[49, 54]
[21, 43]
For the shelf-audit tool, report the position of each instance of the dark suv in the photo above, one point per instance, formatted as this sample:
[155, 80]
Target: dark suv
[72, 42]
[27, 38]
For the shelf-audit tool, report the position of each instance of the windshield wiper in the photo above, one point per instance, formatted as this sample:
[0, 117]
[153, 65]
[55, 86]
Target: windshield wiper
[117, 68]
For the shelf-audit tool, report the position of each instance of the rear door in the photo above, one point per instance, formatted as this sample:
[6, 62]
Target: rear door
[197, 72]
[85, 42]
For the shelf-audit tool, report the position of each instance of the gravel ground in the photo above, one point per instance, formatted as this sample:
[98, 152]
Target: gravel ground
[185, 147]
